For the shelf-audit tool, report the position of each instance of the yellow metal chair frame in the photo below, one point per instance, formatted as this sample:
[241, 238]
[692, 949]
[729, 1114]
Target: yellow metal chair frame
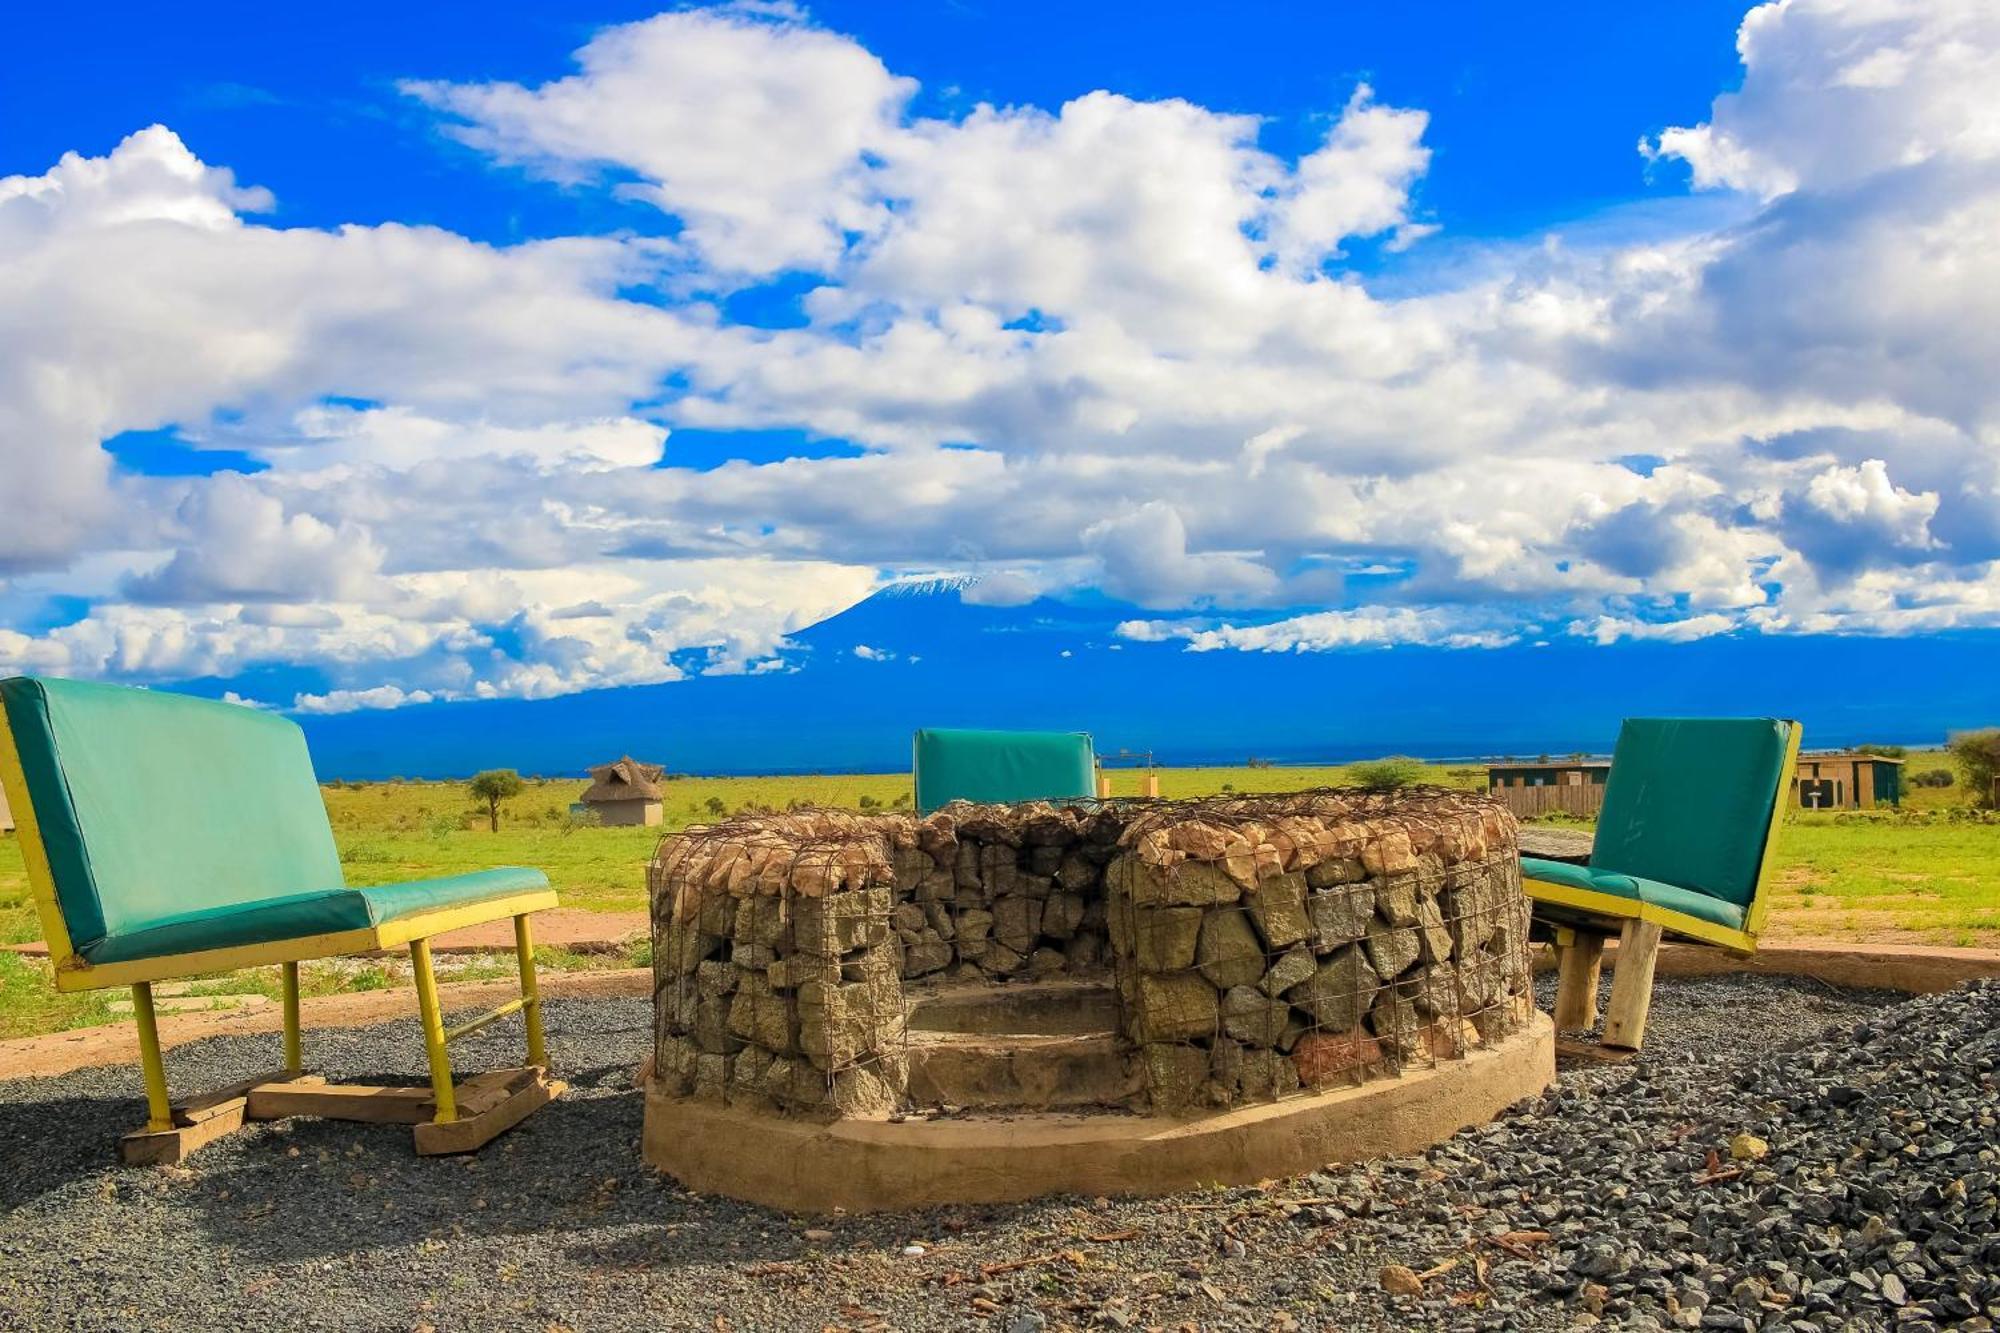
[448, 1117]
[1589, 917]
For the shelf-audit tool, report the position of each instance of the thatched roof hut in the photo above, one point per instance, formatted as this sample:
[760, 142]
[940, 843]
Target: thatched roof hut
[627, 792]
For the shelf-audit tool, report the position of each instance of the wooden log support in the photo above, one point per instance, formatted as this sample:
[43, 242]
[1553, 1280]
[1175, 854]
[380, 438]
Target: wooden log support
[197, 1122]
[171, 1147]
[1632, 986]
[343, 1101]
[218, 1102]
[1580, 960]
[488, 1106]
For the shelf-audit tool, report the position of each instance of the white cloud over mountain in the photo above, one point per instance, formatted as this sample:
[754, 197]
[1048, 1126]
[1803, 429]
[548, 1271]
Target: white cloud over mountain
[1114, 343]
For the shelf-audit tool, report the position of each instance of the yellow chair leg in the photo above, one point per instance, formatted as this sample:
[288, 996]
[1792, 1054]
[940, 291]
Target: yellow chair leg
[294, 1043]
[531, 991]
[427, 1005]
[159, 1111]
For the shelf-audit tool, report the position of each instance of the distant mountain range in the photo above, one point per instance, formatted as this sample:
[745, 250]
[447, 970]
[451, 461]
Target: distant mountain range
[923, 655]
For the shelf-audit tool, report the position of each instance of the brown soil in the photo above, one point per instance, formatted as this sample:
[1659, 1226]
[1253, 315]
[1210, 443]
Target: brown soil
[114, 1043]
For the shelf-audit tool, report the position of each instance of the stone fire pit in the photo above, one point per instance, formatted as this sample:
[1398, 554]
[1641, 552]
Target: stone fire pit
[999, 1001]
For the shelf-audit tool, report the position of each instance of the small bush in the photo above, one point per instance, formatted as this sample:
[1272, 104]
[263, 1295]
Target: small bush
[716, 807]
[1387, 774]
[1978, 754]
[1933, 777]
[868, 802]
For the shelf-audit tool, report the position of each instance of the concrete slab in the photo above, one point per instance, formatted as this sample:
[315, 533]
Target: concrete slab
[872, 1165]
[1912, 968]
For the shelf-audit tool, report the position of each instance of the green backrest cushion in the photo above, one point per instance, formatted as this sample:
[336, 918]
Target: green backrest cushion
[1689, 802]
[153, 805]
[1001, 766]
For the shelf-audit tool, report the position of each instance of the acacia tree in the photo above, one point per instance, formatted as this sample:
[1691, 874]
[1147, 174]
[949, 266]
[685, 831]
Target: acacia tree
[494, 786]
[1978, 753]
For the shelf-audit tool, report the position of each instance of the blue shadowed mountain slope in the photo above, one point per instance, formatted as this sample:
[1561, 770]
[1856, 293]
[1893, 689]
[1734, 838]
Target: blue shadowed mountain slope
[934, 659]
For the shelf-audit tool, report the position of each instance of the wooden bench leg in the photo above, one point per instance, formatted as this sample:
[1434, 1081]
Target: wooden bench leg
[1580, 960]
[1632, 985]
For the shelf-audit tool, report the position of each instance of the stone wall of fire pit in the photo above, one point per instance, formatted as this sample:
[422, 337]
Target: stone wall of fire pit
[1259, 947]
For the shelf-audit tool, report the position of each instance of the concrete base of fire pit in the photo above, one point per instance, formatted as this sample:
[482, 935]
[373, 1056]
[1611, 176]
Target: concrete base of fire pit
[869, 1165]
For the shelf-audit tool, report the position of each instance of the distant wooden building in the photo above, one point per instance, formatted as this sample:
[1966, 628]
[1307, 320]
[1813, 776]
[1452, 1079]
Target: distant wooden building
[1565, 786]
[626, 793]
[1558, 773]
[1847, 781]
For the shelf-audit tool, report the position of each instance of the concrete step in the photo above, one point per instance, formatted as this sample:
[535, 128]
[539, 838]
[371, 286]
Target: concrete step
[1020, 1072]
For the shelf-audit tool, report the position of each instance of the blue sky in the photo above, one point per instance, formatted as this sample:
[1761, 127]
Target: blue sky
[306, 103]
[407, 357]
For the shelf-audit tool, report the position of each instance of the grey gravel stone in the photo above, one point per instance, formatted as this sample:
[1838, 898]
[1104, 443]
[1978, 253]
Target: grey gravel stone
[558, 1224]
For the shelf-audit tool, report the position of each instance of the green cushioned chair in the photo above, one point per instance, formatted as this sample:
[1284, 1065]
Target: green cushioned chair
[167, 836]
[1683, 848]
[1002, 766]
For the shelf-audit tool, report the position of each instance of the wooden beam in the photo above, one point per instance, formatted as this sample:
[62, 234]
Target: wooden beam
[343, 1101]
[170, 1147]
[526, 1091]
[217, 1102]
[1632, 985]
[1579, 963]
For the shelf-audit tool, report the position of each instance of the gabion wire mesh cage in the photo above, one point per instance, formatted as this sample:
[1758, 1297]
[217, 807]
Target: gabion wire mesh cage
[1259, 946]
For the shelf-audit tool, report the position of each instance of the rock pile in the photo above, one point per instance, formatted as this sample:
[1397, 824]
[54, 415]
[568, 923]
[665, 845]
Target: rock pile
[1851, 1182]
[781, 941]
[1267, 946]
[1261, 946]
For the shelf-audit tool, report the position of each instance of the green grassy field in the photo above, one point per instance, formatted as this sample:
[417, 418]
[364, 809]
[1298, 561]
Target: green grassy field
[1928, 874]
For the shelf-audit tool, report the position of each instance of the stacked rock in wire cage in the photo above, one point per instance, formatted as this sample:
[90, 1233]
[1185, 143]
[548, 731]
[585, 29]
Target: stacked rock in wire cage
[1257, 947]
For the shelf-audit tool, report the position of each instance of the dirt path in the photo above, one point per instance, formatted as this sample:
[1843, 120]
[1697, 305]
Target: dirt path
[114, 1043]
[571, 928]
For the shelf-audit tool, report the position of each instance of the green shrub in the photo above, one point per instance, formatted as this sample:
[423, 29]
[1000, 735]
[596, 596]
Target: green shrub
[1978, 754]
[1387, 774]
[1933, 777]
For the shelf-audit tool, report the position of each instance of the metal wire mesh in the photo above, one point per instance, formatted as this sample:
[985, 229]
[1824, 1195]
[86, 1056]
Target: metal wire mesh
[1261, 946]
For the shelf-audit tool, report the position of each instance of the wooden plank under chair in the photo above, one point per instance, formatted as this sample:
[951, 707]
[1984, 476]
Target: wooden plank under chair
[169, 837]
[1684, 848]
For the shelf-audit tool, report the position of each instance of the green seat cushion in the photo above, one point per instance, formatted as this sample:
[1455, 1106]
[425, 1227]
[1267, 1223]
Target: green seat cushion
[157, 807]
[392, 902]
[1002, 766]
[1689, 803]
[300, 915]
[1688, 902]
[1687, 812]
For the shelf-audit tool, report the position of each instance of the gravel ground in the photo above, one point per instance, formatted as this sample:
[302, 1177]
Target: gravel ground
[1872, 1205]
